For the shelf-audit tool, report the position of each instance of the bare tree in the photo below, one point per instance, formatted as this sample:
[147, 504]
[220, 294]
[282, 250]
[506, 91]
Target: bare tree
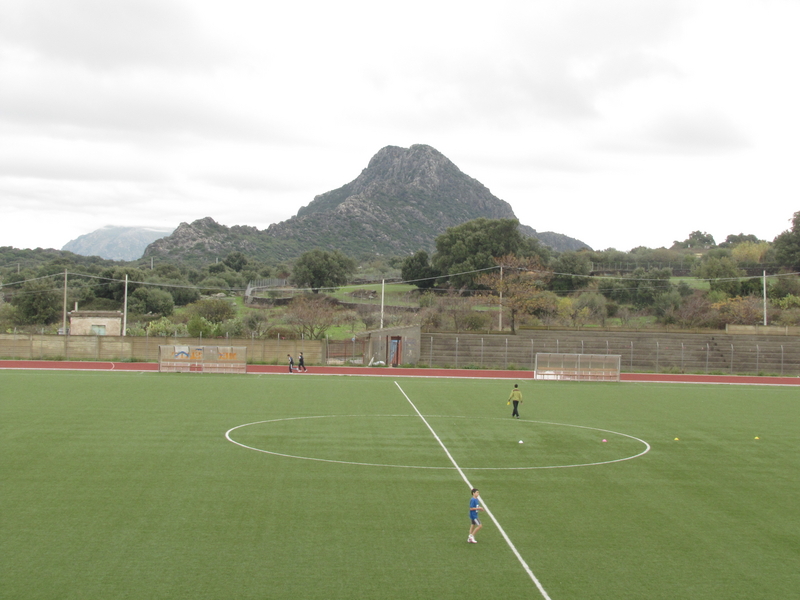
[311, 317]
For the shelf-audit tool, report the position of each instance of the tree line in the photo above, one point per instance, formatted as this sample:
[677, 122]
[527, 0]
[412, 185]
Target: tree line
[479, 264]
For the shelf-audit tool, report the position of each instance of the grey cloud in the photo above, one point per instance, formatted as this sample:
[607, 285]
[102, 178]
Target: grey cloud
[108, 34]
[91, 108]
[67, 169]
[248, 183]
[687, 133]
[703, 132]
[626, 69]
[555, 162]
[614, 27]
[555, 65]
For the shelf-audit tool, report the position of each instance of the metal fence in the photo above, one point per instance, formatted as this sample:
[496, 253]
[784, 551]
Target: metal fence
[342, 352]
[723, 354]
[691, 353]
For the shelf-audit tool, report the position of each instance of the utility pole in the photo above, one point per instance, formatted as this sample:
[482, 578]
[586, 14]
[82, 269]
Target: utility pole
[501, 297]
[764, 285]
[64, 312]
[383, 289]
[125, 308]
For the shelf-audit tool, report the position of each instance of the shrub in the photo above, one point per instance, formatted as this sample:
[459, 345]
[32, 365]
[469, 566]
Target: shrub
[200, 327]
[214, 310]
[164, 327]
[476, 321]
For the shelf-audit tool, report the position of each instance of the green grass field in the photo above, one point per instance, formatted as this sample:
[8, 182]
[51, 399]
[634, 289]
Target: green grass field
[123, 485]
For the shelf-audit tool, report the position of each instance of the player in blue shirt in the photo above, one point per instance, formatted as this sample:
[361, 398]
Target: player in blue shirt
[475, 522]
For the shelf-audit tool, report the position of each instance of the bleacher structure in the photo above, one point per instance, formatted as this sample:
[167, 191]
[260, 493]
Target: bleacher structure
[577, 367]
[202, 359]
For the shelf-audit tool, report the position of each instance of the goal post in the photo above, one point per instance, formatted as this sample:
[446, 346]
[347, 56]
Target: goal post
[202, 359]
[577, 367]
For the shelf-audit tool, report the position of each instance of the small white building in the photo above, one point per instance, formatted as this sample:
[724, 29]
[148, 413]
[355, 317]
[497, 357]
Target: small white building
[95, 322]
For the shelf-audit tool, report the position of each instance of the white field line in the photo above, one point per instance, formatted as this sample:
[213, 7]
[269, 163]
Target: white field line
[363, 464]
[521, 560]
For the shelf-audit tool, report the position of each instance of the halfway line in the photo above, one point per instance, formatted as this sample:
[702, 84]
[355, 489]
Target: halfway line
[486, 508]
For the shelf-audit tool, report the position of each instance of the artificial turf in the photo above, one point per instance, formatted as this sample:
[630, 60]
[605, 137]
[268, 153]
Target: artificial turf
[124, 485]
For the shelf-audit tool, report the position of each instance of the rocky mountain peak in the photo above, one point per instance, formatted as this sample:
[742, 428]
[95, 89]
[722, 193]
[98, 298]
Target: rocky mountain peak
[397, 205]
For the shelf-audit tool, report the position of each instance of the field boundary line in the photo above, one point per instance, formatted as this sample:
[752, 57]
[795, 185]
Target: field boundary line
[421, 372]
[511, 545]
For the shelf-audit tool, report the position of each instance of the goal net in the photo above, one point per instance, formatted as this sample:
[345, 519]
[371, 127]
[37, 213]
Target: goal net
[577, 367]
[202, 359]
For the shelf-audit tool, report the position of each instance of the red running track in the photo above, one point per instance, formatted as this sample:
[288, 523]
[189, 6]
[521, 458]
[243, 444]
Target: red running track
[401, 372]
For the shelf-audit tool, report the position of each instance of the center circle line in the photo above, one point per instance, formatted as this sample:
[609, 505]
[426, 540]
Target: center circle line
[448, 468]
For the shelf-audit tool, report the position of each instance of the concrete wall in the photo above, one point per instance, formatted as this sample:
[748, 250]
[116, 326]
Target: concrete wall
[714, 352]
[129, 348]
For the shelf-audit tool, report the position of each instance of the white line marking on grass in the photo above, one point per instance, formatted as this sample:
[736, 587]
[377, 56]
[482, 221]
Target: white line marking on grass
[525, 566]
[328, 460]
[366, 464]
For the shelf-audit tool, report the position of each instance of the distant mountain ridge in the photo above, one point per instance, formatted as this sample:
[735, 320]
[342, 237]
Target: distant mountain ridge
[399, 204]
[116, 243]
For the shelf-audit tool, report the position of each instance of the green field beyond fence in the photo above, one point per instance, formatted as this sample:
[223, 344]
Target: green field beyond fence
[123, 485]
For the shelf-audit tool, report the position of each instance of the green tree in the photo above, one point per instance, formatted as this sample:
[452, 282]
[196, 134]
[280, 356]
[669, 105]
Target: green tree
[148, 299]
[665, 306]
[168, 271]
[214, 310]
[163, 327]
[236, 261]
[418, 270]
[696, 239]
[213, 285]
[784, 285]
[8, 317]
[518, 287]
[750, 252]
[570, 272]
[38, 302]
[734, 240]
[596, 303]
[200, 327]
[319, 269]
[649, 285]
[787, 245]
[723, 275]
[183, 293]
[464, 250]
[113, 285]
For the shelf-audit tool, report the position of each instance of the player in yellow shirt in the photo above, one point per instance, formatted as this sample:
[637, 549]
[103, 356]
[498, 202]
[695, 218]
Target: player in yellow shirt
[515, 398]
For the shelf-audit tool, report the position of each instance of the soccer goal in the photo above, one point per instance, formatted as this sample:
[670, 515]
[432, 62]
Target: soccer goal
[577, 367]
[202, 359]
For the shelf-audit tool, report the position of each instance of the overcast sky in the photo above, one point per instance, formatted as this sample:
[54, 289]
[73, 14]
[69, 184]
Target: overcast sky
[620, 123]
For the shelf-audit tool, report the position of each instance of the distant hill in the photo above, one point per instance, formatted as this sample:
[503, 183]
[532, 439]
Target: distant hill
[398, 205]
[116, 243]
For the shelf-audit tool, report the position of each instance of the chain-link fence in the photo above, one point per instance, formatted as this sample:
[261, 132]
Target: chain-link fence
[640, 352]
